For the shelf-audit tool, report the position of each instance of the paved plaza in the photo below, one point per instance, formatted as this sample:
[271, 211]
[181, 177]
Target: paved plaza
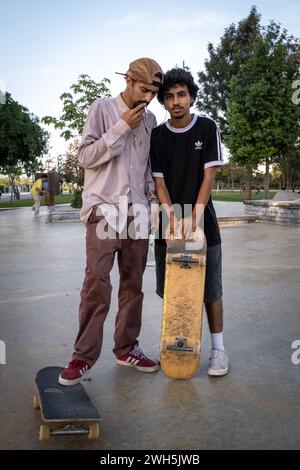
[256, 406]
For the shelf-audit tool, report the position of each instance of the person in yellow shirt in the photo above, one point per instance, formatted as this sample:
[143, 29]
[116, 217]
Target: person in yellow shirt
[37, 192]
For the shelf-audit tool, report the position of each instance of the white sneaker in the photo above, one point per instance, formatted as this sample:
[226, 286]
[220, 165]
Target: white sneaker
[218, 363]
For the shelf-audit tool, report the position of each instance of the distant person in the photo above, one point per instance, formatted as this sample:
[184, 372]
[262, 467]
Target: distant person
[17, 193]
[185, 154]
[0, 193]
[37, 192]
[114, 152]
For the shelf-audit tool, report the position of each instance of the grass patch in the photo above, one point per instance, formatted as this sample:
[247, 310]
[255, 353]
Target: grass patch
[235, 196]
[230, 196]
[60, 199]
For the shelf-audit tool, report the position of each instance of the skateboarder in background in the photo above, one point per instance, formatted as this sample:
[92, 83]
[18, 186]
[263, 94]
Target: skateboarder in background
[114, 152]
[185, 153]
[37, 192]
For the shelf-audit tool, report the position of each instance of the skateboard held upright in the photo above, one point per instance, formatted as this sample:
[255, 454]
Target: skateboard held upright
[64, 410]
[182, 307]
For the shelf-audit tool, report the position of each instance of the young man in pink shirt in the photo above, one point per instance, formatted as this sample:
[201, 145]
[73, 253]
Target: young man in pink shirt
[114, 152]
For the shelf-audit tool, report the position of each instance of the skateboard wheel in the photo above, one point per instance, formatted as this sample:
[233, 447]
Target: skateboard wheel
[169, 258]
[44, 432]
[94, 431]
[36, 402]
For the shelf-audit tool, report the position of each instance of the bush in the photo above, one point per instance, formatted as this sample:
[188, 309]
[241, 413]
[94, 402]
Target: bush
[77, 201]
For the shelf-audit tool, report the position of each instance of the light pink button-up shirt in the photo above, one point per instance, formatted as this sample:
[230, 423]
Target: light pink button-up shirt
[116, 161]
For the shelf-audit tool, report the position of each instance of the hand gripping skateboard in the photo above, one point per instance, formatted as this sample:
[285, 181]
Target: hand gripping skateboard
[182, 307]
[64, 410]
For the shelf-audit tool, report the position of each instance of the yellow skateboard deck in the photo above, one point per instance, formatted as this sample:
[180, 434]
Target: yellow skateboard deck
[182, 307]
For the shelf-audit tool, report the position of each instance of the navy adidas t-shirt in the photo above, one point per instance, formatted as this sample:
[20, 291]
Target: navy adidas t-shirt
[180, 156]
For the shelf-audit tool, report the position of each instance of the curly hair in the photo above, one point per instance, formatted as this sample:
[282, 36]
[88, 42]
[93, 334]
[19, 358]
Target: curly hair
[177, 76]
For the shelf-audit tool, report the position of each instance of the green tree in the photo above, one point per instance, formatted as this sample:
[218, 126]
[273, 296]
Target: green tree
[262, 119]
[288, 166]
[236, 46]
[22, 140]
[74, 172]
[71, 122]
[230, 175]
[71, 171]
[77, 104]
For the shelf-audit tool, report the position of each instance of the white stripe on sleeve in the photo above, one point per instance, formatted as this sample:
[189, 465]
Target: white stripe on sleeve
[215, 163]
[220, 155]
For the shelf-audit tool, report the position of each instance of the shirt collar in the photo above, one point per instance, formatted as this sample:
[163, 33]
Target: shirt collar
[180, 130]
[121, 103]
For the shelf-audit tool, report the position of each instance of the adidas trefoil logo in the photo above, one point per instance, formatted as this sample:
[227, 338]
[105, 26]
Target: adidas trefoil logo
[198, 145]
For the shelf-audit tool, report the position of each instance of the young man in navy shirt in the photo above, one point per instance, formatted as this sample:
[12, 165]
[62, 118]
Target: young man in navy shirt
[185, 154]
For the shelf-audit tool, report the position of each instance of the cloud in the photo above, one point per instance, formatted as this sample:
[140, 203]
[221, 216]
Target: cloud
[128, 20]
[203, 22]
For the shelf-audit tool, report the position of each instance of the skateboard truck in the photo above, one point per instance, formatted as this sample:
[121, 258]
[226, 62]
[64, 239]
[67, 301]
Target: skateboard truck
[180, 345]
[185, 260]
[68, 429]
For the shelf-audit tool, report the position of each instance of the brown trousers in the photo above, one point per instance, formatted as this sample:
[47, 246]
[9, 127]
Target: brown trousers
[96, 292]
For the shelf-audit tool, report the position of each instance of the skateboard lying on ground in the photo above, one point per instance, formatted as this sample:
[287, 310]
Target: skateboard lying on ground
[182, 307]
[64, 410]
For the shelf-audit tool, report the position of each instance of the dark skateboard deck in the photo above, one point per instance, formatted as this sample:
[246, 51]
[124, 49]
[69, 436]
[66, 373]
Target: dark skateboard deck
[64, 410]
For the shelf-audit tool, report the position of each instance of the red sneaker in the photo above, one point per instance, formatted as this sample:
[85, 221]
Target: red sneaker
[136, 358]
[74, 373]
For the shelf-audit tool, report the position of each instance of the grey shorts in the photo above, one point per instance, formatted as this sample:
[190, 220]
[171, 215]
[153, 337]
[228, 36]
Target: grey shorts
[213, 278]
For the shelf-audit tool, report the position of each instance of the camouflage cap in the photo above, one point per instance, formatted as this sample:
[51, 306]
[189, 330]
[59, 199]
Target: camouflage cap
[145, 70]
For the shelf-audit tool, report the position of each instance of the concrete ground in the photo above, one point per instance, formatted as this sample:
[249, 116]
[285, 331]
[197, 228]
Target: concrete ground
[255, 407]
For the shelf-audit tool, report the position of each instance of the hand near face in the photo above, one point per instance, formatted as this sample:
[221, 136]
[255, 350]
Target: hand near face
[133, 116]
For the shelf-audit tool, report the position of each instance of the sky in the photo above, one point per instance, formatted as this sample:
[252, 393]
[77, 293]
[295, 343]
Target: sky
[46, 44]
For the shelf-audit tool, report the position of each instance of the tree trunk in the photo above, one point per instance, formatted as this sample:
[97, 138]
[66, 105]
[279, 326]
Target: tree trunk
[248, 186]
[11, 179]
[267, 179]
[293, 185]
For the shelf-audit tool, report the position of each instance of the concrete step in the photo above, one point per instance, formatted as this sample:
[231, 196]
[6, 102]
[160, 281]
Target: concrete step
[66, 216]
[242, 219]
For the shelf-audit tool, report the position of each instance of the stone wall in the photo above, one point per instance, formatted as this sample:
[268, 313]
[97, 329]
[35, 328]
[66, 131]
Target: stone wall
[276, 212]
[66, 216]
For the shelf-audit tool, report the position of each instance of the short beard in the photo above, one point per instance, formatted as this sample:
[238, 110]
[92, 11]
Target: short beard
[178, 117]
